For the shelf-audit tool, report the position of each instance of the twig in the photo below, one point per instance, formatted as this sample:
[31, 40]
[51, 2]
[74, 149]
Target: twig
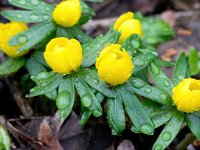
[189, 138]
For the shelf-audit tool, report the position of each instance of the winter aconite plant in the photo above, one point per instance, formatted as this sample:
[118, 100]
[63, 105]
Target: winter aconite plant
[64, 61]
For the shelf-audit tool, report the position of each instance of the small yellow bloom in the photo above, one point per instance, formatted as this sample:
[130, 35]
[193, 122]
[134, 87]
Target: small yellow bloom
[114, 66]
[67, 13]
[63, 55]
[7, 31]
[127, 26]
[186, 95]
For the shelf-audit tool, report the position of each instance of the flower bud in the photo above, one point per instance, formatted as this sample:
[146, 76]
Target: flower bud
[114, 66]
[186, 95]
[7, 31]
[67, 13]
[63, 55]
[127, 26]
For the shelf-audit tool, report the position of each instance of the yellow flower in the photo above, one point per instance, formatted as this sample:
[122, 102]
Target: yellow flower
[114, 66]
[63, 55]
[186, 95]
[7, 31]
[67, 13]
[127, 26]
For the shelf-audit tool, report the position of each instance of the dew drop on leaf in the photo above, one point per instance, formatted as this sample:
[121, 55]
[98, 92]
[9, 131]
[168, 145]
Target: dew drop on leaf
[163, 96]
[148, 90]
[158, 147]
[86, 100]
[22, 2]
[166, 136]
[33, 17]
[35, 2]
[63, 100]
[166, 83]
[146, 128]
[139, 62]
[22, 39]
[154, 68]
[137, 83]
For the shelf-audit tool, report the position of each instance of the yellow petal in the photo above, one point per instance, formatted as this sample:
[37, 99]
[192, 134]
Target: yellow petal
[67, 13]
[7, 31]
[114, 66]
[63, 55]
[122, 18]
[186, 95]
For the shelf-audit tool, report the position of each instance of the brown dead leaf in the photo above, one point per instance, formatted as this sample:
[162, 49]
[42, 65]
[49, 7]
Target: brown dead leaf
[182, 31]
[47, 137]
[168, 54]
[126, 145]
[196, 143]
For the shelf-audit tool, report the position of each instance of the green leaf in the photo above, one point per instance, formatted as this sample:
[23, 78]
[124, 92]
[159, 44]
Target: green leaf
[136, 112]
[33, 36]
[159, 114]
[80, 35]
[25, 16]
[86, 94]
[33, 5]
[180, 69]
[4, 139]
[63, 32]
[34, 67]
[193, 122]
[131, 44]
[116, 115]
[86, 9]
[141, 61]
[141, 88]
[169, 132]
[160, 78]
[92, 49]
[67, 85]
[194, 61]
[11, 65]
[39, 57]
[164, 63]
[158, 32]
[87, 113]
[46, 85]
[92, 78]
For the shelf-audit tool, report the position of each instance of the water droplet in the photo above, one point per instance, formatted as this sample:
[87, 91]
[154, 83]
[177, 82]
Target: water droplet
[180, 77]
[32, 90]
[19, 16]
[138, 62]
[45, 17]
[22, 39]
[163, 96]
[166, 136]
[47, 8]
[148, 90]
[35, 2]
[158, 147]
[97, 113]
[137, 83]
[167, 82]
[63, 99]
[33, 17]
[86, 100]
[135, 43]
[138, 113]
[22, 2]
[154, 68]
[42, 75]
[146, 128]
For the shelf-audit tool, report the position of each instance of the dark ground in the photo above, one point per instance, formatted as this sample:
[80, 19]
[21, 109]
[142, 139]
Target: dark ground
[183, 15]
